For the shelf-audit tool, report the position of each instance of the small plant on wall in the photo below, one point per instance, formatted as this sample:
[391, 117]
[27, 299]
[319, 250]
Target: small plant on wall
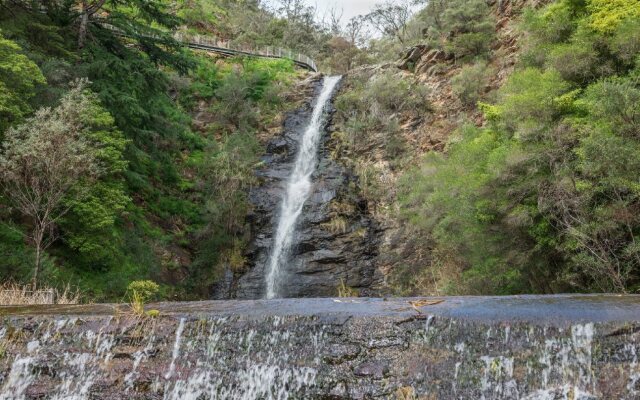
[140, 293]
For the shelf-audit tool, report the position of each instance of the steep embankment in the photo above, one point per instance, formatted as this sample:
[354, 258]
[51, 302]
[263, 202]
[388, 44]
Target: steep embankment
[389, 116]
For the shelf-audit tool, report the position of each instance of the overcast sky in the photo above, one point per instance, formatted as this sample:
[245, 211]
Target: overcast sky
[351, 8]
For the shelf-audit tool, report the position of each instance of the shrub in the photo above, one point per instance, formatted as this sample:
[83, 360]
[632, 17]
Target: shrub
[575, 62]
[607, 15]
[143, 290]
[140, 292]
[470, 83]
[616, 103]
[529, 97]
[470, 27]
[626, 41]
[389, 93]
[471, 45]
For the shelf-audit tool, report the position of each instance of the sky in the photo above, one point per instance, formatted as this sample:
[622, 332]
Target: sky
[351, 8]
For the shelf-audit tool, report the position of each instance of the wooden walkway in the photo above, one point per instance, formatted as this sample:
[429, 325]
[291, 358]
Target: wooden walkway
[229, 49]
[226, 48]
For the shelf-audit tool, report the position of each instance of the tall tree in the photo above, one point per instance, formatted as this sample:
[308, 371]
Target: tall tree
[51, 157]
[391, 18]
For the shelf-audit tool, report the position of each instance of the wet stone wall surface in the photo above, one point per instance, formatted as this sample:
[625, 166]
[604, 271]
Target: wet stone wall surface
[462, 348]
[335, 240]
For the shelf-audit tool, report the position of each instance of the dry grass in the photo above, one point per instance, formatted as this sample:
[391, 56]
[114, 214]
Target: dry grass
[346, 291]
[337, 225]
[13, 294]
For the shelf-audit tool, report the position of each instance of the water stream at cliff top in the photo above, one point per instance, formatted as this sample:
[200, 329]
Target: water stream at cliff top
[298, 188]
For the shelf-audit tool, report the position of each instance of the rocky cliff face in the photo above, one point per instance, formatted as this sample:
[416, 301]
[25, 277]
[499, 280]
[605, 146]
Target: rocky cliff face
[336, 238]
[478, 348]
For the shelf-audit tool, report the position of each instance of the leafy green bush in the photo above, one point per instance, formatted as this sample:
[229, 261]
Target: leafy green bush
[471, 26]
[576, 62]
[19, 77]
[606, 15]
[470, 83]
[528, 99]
[626, 42]
[143, 290]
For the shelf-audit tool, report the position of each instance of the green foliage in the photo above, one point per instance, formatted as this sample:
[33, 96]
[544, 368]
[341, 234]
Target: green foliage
[471, 27]
[626, 42]
[529, 99]
[143, 290]
[445, 197]
[470, 83]
[575, 62]
[19, 77]
[53, 163]
[607, 15]
[371, 109]
[546, 197]
[16, 257]
[90, 225]
[156, 211]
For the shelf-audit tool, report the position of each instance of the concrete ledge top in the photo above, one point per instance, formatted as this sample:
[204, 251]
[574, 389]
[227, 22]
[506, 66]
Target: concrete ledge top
[554, 309]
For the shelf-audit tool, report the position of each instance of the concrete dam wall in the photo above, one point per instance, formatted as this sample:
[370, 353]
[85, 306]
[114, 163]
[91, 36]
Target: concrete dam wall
[523, 347]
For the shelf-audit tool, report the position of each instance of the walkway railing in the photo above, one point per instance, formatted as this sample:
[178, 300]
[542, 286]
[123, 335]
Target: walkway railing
[228, 48]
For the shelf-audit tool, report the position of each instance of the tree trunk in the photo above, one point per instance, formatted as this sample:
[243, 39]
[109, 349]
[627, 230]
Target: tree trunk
[84, 23]
[39, 234]
[34, 282]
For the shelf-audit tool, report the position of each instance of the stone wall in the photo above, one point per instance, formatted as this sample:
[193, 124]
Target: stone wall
[461, 348]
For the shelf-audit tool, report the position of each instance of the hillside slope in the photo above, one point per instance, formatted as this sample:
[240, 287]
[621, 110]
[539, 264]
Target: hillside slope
[481, 219]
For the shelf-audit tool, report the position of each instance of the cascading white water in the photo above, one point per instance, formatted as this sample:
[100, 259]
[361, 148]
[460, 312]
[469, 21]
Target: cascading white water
[298, 188]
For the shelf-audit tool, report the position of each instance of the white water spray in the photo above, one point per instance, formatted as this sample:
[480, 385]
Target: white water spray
[298, 188]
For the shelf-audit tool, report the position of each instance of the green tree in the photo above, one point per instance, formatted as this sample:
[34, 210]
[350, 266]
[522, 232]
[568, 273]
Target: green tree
[19, 77]
[56, 155]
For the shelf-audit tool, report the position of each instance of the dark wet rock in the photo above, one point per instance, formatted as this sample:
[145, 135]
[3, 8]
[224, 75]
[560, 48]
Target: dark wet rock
[339, 353]
[279, 146]
[330, 246]
[375, 370]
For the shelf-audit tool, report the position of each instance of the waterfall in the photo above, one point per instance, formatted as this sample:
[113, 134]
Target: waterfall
[298, 188]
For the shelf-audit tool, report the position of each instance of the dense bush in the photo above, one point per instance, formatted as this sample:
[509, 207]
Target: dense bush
[18, 79]
[468, 28]
[545, 198]
[370, 111]
[470, 83]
